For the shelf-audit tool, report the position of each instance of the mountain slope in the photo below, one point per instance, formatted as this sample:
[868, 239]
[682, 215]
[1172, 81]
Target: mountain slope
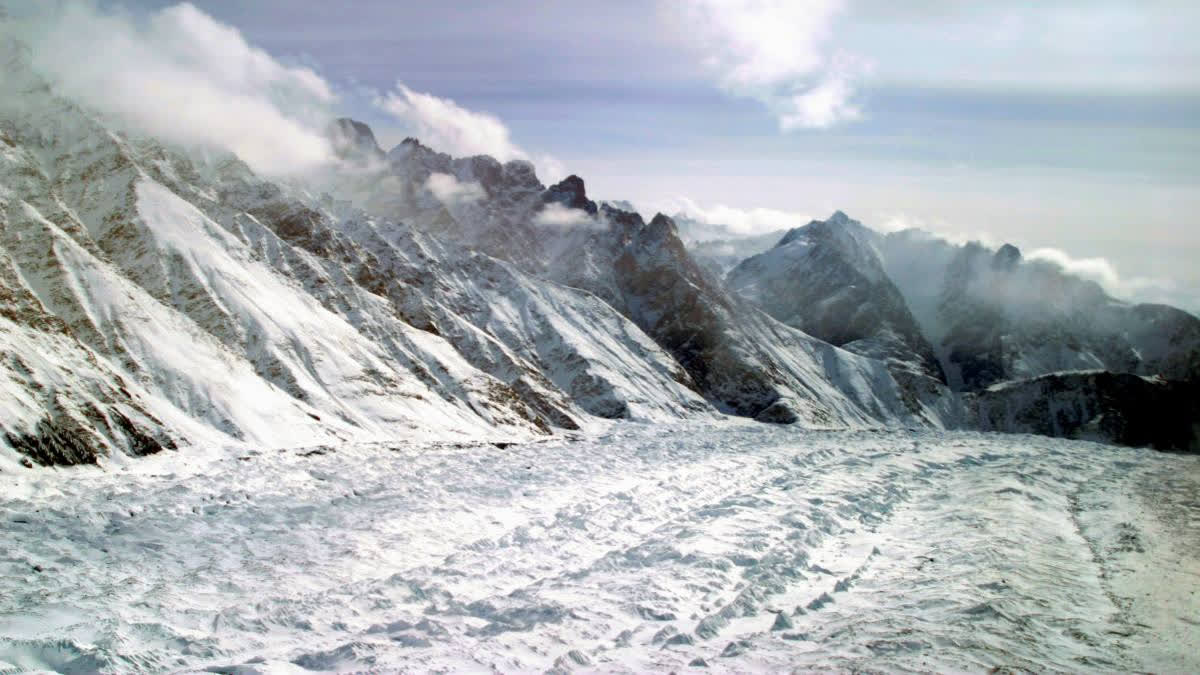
[222, 344]
[737, 359]
[827, 280]
[196, 303]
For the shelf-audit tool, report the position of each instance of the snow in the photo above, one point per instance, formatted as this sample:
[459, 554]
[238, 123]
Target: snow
[643, 547]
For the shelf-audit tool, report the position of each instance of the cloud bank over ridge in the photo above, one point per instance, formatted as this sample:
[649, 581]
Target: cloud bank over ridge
[180, 75]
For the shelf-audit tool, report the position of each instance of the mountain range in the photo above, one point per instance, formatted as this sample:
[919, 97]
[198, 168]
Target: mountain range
[154, 298]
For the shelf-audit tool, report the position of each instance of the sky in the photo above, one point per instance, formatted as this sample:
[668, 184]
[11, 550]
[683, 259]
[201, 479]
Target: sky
[1070, 128]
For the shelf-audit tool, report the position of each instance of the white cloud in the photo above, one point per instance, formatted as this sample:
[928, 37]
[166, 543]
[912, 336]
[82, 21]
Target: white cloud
[776, 51]
[182, 76]
[827, 103]
[448, 127]
[557, 215]
[739, 222]
[887, 222]
[1105, 273]
[449, 190]
[1098, 269]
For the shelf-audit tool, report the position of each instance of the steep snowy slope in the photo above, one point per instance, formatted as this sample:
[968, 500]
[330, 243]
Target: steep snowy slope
[737, 357]
[197, 302]
[827, 280]
[224, 345]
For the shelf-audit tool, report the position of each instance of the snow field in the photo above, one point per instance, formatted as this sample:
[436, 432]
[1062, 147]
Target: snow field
[736, 546]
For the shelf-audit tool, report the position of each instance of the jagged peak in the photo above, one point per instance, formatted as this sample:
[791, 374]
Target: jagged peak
[615, 214]
[839, 218]
[1007, 258]
[662, 220]
[350, 124]
[661, 226]
[572, 193]
[351, 137]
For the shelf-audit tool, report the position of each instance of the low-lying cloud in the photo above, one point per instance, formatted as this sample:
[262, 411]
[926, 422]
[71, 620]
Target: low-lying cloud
[1103, 272]
[557, 215]
[1097, 269]
[179, 75]
[448, 127]
[738, 222]
[776, 51]
[450, 190]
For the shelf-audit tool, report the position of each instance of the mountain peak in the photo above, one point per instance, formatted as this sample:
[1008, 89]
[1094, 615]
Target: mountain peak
[1007, 258]
[571, 193]
[352, 138]
[798, 232]
[662, 221]
[838, 218]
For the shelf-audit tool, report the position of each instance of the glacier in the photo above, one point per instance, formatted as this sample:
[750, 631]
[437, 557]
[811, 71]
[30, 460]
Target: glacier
[639, 547]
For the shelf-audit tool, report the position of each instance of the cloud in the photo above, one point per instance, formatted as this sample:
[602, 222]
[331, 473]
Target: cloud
[557, 215]
[1098, 269]
[824, 105]
[739, 222]
[775, 51]
[448, 127]
[1105, 273]
[449, 190]
[887, 222]
[179, 75]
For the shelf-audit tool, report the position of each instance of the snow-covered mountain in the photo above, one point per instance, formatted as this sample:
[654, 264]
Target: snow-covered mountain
[160, 298]
[736, 356]
[1031, 347]
[827, 279]
[155, 299]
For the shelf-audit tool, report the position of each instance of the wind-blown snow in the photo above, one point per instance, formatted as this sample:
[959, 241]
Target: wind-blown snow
[742, 546]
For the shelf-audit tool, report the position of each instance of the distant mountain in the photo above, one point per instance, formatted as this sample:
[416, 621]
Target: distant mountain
[994, 316]
[721, 255]
[736, 357]
[827, 279]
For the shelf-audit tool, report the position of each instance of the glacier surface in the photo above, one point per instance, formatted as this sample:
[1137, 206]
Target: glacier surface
[731, 545]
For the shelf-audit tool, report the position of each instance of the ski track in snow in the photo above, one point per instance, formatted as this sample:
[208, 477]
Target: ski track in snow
[735, 546]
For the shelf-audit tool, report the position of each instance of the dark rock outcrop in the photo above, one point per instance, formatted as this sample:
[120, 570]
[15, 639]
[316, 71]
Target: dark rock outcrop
[570, 192]
[1101, 406]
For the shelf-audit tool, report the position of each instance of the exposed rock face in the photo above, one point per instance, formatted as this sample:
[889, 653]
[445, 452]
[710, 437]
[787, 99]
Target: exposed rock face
[570, 193]
[1007, 258]
[827, 280]
[1101, 406]
[149, 301]
[736, 357]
